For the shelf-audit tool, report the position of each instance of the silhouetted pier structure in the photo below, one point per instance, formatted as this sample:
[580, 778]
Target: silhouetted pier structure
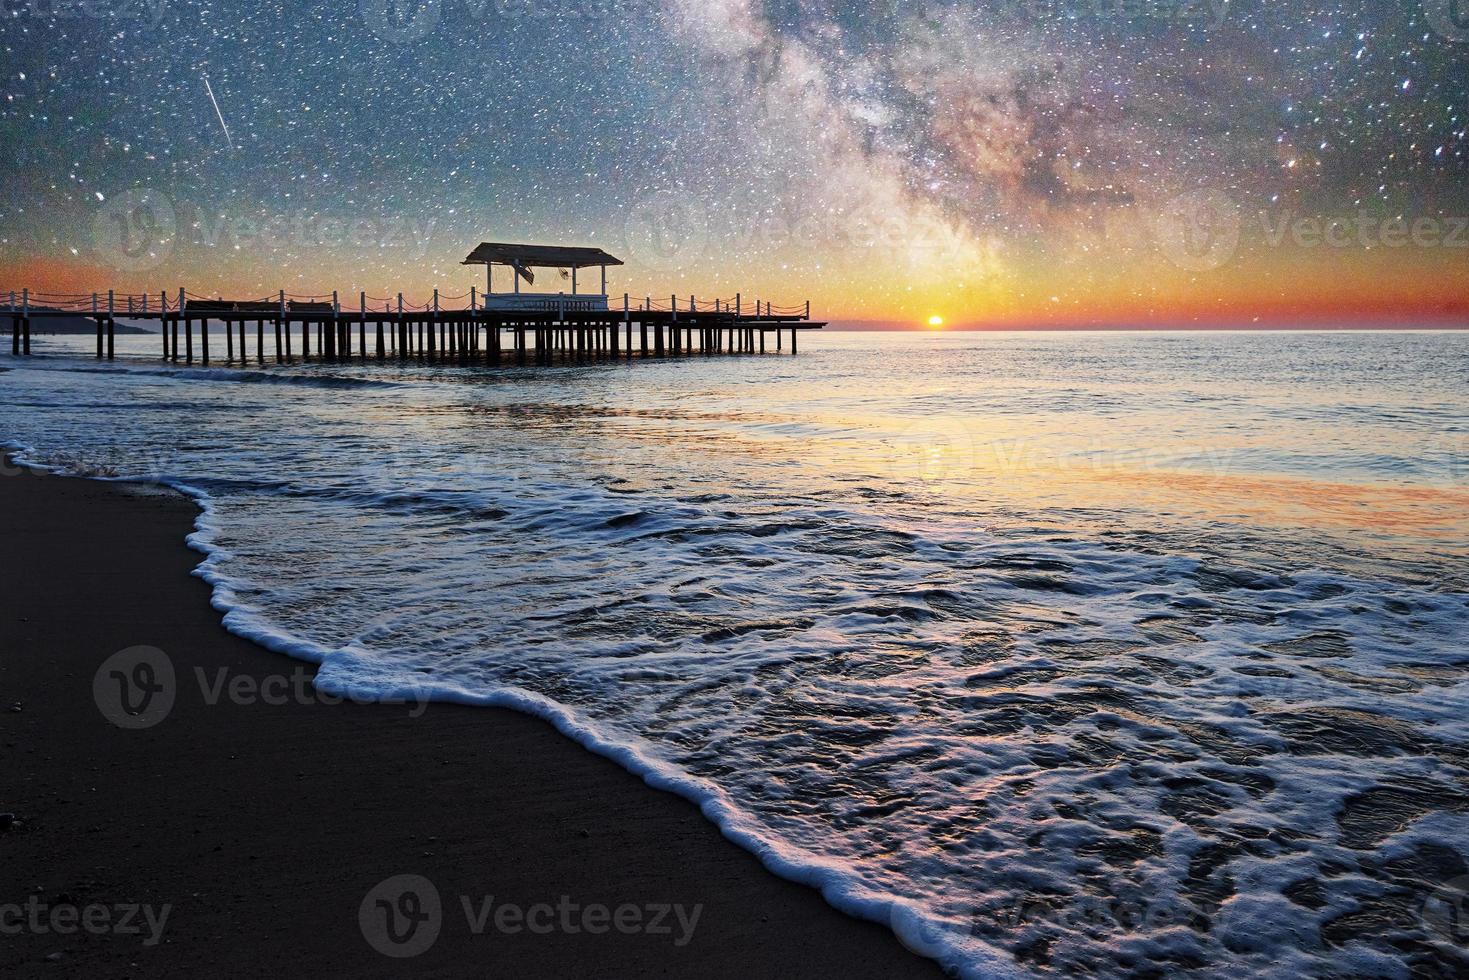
[489, 328]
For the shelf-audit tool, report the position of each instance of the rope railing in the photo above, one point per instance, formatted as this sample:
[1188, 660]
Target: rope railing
[167, 301]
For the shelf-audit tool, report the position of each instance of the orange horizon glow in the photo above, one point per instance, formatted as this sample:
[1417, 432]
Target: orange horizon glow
[1259, 287]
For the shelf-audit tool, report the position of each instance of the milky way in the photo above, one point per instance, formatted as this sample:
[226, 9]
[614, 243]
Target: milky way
[882, 156]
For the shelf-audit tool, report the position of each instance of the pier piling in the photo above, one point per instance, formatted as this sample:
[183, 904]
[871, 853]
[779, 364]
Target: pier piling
[524, 329]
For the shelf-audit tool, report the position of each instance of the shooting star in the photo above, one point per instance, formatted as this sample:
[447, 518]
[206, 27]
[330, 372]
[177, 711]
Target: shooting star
[210, 89]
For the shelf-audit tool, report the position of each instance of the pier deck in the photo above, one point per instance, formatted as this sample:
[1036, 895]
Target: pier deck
[283, 330]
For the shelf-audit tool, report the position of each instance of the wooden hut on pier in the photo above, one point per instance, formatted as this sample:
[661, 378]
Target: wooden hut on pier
[522, 261]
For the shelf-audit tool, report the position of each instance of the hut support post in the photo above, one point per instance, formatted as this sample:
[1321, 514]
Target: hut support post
[402, 330]
[626, 319]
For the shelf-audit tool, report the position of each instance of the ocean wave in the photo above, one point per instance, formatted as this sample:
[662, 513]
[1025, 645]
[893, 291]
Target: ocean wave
[1032, 738]
[247, 375]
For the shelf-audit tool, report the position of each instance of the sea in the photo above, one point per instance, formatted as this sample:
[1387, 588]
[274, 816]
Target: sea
[1099, 653]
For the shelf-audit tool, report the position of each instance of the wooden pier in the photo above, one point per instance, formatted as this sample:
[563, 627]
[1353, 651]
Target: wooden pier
[475, 328]
[290, 330]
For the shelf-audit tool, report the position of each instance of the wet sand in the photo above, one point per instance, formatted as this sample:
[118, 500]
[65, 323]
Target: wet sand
[263, 827]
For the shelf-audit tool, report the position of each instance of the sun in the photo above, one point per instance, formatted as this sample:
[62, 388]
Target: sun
[935, 321]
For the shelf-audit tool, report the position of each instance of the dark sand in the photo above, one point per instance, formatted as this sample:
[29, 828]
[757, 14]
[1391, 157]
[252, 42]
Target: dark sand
[264, 827]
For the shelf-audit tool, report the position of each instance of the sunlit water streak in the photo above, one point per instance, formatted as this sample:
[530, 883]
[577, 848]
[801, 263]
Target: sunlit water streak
[1061, 652]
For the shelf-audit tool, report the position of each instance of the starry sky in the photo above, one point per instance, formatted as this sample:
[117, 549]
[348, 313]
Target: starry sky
[991, 162]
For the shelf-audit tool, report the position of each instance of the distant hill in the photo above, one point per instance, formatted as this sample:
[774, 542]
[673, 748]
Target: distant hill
[67, 325]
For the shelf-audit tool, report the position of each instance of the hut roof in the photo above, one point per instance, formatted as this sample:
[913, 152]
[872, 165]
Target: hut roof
[539, 256]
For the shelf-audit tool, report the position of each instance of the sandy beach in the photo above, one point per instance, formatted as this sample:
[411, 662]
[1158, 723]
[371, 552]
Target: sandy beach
[247, 836]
